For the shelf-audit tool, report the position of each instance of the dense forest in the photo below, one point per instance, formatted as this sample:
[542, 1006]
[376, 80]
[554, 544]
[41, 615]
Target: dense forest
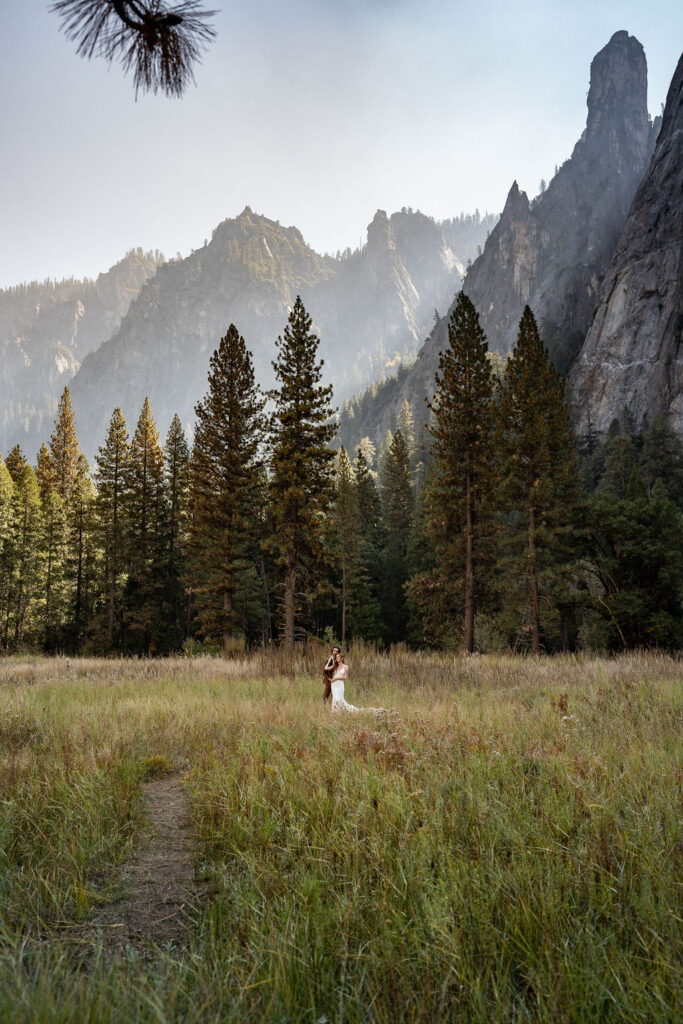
[491, 528]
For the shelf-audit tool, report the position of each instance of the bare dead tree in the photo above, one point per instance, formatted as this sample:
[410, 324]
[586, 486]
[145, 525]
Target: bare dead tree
[158, 41]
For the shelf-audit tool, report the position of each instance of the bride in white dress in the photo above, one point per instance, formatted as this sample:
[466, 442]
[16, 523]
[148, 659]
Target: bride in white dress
[339, 675]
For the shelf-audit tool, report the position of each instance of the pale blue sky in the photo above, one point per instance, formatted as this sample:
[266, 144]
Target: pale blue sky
[313, 112]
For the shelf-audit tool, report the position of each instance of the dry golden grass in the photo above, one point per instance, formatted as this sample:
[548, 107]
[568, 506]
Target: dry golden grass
[504, 848]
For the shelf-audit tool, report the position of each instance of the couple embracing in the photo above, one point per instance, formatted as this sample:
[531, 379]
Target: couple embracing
[335, 673]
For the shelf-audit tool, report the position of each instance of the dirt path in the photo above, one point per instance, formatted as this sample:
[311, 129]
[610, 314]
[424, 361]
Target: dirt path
[158, 881]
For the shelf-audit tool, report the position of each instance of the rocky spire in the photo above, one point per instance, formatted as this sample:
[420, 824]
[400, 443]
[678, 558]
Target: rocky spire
[553, 253]
[631, 365]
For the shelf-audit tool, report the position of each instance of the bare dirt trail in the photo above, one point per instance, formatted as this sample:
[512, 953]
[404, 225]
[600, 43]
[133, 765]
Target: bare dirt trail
[157, 883]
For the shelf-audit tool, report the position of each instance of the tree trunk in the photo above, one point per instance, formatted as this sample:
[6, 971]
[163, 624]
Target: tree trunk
[469, 568]
[79, 584]
[232, 640]
[290, 584]
[343, 624]
[533, 584]
[48, 594]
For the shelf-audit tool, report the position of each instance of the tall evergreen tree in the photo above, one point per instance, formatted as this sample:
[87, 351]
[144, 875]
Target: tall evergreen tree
[226, 474]
[82, 558]
[301, 465]
[405, 422]
[383, 453]
[366, 619]
[397, 513]
[461, 494]
[15, 462]
[27, 558]
[64, 448]
[635, 559]
[177, 459]
[661, 458]
[6, 550]
[53, 546]
[620, 460]
[347, 536]
[112, 462]
[367, 448]
[540, 484]
[45, 472]
[146, 521]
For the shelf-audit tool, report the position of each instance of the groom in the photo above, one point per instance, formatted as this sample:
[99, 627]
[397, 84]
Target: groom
[328, 672]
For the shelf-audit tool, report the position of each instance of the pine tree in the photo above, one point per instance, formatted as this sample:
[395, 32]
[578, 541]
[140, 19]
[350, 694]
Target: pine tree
[57, 474]
[15, 462]
[226, 471]
[662, 459]
[45, 472]
[64, 448]
[112, 462]
[347, 536]
[82, 558]
[405, 422]
[620, 461]
[53, 547]
[177, 458]
[428, 619]
[397, 513]
[146, 521]
[636, 562]
[301, 465]
[366, 618]
[461, 495]
[26, 555]
[540, 484]
[6, 550]
[383, 453]
[367, 448]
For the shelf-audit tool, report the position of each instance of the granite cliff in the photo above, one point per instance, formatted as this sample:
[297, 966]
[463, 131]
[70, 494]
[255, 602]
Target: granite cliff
[631, 365]
[551, 253]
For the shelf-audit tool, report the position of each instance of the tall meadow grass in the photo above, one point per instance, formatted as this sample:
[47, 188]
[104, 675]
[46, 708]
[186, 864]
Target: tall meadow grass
[506, 847]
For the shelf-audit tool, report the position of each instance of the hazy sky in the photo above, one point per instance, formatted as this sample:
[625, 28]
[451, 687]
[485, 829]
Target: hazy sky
[313, 112]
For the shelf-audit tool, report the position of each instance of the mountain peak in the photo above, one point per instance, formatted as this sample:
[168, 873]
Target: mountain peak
[617, 96]
[516, 201]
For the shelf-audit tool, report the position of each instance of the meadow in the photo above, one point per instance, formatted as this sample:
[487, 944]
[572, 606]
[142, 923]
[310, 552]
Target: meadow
[505, 847]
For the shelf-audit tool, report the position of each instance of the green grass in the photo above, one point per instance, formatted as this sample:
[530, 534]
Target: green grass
[507, 850]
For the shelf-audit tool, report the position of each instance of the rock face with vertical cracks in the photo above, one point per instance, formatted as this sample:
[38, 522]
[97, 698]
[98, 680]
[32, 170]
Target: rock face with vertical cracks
[631, 365]
[553, 252]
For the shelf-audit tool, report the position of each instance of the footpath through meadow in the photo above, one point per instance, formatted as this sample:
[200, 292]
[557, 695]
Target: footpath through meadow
[157, 883]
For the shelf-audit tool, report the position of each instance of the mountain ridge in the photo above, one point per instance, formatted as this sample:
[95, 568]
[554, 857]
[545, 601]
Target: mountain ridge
[372, 306]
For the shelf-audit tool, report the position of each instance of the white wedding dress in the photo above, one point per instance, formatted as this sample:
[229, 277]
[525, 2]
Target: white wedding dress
[338, 702]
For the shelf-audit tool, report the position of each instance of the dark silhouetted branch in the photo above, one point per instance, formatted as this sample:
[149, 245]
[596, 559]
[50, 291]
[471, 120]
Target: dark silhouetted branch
[158, 42]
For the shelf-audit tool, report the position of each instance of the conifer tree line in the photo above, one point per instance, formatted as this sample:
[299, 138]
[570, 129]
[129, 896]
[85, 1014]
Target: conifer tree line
[491, 529]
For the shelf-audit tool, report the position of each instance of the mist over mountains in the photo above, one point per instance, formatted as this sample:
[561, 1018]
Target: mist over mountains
[148, 326]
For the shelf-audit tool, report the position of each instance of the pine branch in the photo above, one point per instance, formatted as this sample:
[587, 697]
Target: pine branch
[158, 42]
